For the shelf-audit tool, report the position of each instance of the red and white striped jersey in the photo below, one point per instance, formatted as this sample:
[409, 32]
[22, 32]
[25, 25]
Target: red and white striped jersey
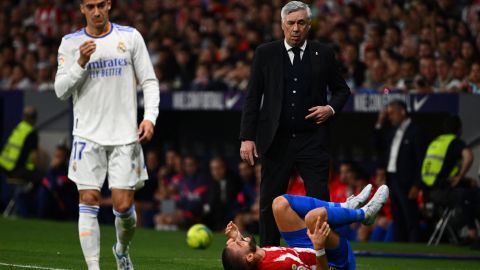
[288, 258]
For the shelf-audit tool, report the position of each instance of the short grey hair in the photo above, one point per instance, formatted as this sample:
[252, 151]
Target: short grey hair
[293, 6]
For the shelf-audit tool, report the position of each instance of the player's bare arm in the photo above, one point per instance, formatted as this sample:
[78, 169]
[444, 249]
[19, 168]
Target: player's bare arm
[319, 238]
[145, 131]
[86, 50]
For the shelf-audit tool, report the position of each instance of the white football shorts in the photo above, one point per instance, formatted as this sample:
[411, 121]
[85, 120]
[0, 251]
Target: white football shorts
[90, 163]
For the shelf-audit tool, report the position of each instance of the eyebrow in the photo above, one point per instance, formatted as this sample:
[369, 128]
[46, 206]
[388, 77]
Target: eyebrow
[90, 6]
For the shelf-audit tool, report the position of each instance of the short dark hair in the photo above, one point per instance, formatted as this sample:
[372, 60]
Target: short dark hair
[399, 103]
[232, 262]
[452, 124]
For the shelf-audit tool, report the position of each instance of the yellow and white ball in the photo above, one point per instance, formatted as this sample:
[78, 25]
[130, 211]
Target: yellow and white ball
[199, 236]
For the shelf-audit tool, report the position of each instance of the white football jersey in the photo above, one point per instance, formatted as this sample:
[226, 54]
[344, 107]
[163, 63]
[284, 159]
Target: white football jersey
[104, 92]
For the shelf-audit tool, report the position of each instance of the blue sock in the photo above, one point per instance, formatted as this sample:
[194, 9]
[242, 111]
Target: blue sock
[378, 234]
[302, 204]
[342, 216]
[389, 236]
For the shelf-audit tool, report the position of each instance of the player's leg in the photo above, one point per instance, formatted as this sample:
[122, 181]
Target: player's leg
[88, 228]
[126, 172]
[125, 218]
[288, 212]
[87, 168]
[337, 216]
[303, 204]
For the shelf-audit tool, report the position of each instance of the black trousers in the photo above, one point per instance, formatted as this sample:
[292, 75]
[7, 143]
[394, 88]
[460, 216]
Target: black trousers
[305, 153]
[405, 211]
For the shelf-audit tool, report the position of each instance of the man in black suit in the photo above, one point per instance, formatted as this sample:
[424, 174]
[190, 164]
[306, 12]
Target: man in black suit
[402, 149]
[286, 112]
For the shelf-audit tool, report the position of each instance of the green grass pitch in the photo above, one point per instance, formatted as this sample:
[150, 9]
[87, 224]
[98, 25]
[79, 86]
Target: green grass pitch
[36, 244]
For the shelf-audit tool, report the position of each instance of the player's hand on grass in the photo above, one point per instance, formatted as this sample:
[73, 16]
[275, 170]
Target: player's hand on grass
[145, 131]
[319, 114]
[319, 235]
[231, 231]
[86, 50]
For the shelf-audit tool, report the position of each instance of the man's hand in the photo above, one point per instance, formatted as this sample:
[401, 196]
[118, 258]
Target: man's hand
[454, 181]
[382, 116]
[145, 131]
[320, 235]
[248, 150]
[86, 50]
[413, 193]
[231, 231]
[319, 114]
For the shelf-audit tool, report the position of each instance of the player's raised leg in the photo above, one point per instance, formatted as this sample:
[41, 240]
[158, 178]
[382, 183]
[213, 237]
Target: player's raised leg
[88, 228]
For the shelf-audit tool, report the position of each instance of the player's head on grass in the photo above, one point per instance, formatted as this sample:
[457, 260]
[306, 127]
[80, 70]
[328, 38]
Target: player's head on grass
[96, 13]
[241, 254]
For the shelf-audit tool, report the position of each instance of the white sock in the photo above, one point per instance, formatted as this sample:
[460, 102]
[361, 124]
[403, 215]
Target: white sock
[125, 224]
[89, 233]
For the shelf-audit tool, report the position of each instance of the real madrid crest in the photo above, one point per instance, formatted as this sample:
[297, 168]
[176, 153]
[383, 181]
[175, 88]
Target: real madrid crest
[121, 48]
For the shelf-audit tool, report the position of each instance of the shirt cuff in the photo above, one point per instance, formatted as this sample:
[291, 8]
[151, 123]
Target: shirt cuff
[150, 118]
[331, 108]
[77, 70]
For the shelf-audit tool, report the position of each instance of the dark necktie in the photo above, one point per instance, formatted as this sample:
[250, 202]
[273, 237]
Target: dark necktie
[296, 57]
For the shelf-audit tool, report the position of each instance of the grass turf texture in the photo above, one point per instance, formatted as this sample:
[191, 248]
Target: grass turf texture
[56, 245]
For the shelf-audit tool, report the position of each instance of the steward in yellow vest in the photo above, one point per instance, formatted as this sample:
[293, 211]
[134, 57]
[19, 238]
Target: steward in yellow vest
[448, 158]
[19, 151]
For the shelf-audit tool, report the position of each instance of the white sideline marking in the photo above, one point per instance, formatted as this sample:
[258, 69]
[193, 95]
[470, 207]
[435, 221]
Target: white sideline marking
[30, 266]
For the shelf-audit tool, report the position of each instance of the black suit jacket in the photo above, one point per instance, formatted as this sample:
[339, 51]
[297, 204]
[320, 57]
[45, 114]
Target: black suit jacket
[410, 154]
[263, 104]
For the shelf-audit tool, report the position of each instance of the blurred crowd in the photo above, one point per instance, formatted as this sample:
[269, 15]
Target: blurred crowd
[382, 45]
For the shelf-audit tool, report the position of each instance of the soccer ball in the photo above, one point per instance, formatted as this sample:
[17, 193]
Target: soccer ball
[199, 236]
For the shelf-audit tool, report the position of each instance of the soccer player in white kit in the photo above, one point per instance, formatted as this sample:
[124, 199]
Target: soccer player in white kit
[99, 66]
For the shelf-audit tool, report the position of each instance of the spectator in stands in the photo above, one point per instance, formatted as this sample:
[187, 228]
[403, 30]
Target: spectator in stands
[376, 81]
[191, 197]
[222, 193]
[401, 149]
[473, 82]
[18, 79]
[144, 198]
[247, 219]
[459, 72]
[44, 80]
[382, 229]
[57, 197]
[443, 74]
[407, 75]
[427, 70]
[355, 69]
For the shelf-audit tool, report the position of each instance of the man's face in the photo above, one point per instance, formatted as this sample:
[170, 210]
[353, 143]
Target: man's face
[96, 12]
[243, 246]
[396, 115]
[217, 169]
[295, 27]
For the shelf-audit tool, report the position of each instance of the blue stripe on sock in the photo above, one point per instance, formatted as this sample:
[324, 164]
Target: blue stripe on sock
[128, 213]
[88, 209]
